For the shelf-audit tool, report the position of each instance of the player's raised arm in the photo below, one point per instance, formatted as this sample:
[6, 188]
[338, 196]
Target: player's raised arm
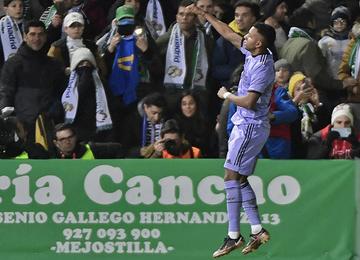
[222, 28]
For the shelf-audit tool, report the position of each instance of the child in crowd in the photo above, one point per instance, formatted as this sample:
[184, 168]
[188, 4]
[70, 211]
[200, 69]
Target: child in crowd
[282, 113]
[11, 29]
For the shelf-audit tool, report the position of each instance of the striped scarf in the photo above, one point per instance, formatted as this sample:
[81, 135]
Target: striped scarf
[175, 67]
[11, 37]
[150, 132]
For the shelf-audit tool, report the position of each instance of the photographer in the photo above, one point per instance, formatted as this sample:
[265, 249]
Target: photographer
[13, 142]
[338, 140]
[173, 144]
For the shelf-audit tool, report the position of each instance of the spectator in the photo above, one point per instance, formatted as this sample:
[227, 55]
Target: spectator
[68, 146]
[193, 123]
[13, 142]
[180, 44]
[349, 73]
[143, 127]
[11, 29]
[227, 58]
[173, 145]
[84, 99]
[53, 17]
[335, 40]
[207, 6]
[223, 11]
[127, 37]
[31, 82]
[310, 113]
[64, 48]
[282, 113]
[302, 52]
[339, 140]
[275, 15]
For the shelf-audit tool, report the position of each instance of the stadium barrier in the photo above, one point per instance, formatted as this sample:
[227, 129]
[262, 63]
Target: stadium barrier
[173, 209]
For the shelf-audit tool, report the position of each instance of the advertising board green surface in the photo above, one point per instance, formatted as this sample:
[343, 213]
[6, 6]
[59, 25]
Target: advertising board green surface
[173, 209]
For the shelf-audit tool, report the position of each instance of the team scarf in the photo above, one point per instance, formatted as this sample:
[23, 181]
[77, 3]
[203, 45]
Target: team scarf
[308, 119]
[150, 132]
[70, 101]
[125, 75]
[104, 41]
[11, 37]
[354, 60]
[175, 68]
[154, 19]
[47, 16]
[296, 32]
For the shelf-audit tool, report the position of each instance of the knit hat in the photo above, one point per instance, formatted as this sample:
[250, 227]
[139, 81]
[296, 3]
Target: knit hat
[7, 2]
[342, 110]
[295, 78]
[282, 63]
[267, 32]
[73, 17]
[125, 14]
[341, 12]
[80, 55]
[268, 7]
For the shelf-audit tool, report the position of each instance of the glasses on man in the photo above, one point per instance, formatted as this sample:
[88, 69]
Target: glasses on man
[339, 21]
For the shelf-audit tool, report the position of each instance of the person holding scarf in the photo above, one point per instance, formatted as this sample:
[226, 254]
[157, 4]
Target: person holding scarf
[131, 60]
[84, 99]
[186, 50]
[11, 29]
[303, 53]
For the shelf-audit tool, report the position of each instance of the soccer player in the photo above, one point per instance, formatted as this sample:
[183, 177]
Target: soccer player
[250, 132]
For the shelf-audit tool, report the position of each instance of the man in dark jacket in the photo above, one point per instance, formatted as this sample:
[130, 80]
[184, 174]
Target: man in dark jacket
[31, 83]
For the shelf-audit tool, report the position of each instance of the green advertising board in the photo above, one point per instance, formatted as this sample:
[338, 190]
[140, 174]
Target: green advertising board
[173, 209]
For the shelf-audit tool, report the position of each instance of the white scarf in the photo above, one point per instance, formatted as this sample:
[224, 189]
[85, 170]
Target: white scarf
[11, 37]
[175, 68]
[73, 45]
[155, 19]
[70, 100]
[105, 40]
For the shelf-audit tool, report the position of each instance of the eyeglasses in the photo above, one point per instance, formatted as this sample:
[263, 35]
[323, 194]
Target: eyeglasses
[339, 20]
[63, 139]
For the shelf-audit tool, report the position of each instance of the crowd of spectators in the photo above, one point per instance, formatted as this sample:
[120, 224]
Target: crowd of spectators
[138, 78]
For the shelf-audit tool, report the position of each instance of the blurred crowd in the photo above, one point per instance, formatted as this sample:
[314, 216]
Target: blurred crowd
[86, 79]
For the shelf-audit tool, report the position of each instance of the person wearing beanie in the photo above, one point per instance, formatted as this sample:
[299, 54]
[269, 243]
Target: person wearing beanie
[11, 29]
[336, 39]
[250, 132]
[303, 53]
[275, 14]
[84, 100]
[283, 72]
[338, 140]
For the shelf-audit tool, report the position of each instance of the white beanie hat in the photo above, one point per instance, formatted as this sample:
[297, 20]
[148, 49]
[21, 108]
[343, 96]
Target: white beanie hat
[342, 110]
[80, 55]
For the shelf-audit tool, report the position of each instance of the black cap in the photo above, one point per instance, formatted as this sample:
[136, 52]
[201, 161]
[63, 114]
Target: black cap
[267, 32]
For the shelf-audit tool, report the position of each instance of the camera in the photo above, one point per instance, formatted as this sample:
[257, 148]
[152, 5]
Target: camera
[343, 132]
[172, 147]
